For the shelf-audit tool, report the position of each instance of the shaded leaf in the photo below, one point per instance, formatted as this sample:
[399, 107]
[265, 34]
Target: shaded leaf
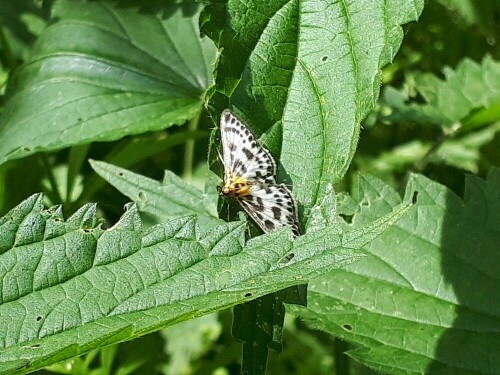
[467, 98]
[429, 301]
[98, 74]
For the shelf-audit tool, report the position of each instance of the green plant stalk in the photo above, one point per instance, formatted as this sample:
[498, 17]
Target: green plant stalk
[419, 166]
[341, 360]
[77, 157]
[189, 149]
[57, 199]
[254, 359]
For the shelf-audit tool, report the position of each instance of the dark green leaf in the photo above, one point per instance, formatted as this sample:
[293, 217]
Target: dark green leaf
[427, 298]
[100, 73]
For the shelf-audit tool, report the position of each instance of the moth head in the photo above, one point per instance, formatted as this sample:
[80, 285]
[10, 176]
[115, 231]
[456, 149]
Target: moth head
[235, 186]
[219, 188]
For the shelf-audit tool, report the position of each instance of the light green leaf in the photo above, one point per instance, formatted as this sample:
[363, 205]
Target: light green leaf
[172, 198]
[70, 287]
[427, 298]
[469, 97]
[312, 67]
[137, 149]
[460, 152]
[465, 152]
[101, 73]
[189, 340]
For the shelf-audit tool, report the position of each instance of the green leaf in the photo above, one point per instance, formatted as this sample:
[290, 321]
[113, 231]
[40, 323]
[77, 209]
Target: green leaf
[307, 72]
[137, 149]
[465, 152]
[427, 297]
[188, 341]
[313, 68]
[21, 23]
[467, 98]
[462, 152]
[480, 14]
[97, 73]
[70, 287]
[172, 198]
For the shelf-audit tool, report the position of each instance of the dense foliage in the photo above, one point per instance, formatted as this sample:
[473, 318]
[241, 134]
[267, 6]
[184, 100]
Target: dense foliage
[384, 117]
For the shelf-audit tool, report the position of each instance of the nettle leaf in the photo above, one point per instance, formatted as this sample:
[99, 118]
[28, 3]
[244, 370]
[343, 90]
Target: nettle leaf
[312, 67]
[101, 73]
[166, 200]
[468, 97]
[480, 14]
[462, 152]
[427, 297]
[69, 286]
[465, 152]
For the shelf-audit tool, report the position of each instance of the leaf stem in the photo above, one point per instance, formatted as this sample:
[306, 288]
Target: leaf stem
[77, 155]
[341, 360]
[52, 180]
[420, 165]
[189, 149]
[254, 359]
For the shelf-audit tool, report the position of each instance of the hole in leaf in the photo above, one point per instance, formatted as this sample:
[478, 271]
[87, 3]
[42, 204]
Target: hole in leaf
[324, 58]
[347, 327]
[120, 174]
[34, 346]
[248, 294]
[347, 218]
[87, 230]
[38, 318]
[414, 197]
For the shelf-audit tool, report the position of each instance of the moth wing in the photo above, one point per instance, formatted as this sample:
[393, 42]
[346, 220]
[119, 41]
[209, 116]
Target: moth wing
[271, 207]
[242, 154]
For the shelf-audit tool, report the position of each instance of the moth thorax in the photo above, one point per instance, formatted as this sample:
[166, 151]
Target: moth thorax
[236, 186]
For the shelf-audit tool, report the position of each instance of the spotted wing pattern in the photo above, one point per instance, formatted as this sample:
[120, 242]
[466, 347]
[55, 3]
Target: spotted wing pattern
[243, 156]
[271, 207]
[249, 171]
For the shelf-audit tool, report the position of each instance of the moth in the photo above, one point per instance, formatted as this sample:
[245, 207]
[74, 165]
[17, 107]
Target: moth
[249, 177]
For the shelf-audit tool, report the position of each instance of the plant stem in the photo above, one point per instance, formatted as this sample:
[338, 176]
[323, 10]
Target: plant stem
[419, 166]
[52, 179]
[189, 149]
[341, 360]
[77, 157]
